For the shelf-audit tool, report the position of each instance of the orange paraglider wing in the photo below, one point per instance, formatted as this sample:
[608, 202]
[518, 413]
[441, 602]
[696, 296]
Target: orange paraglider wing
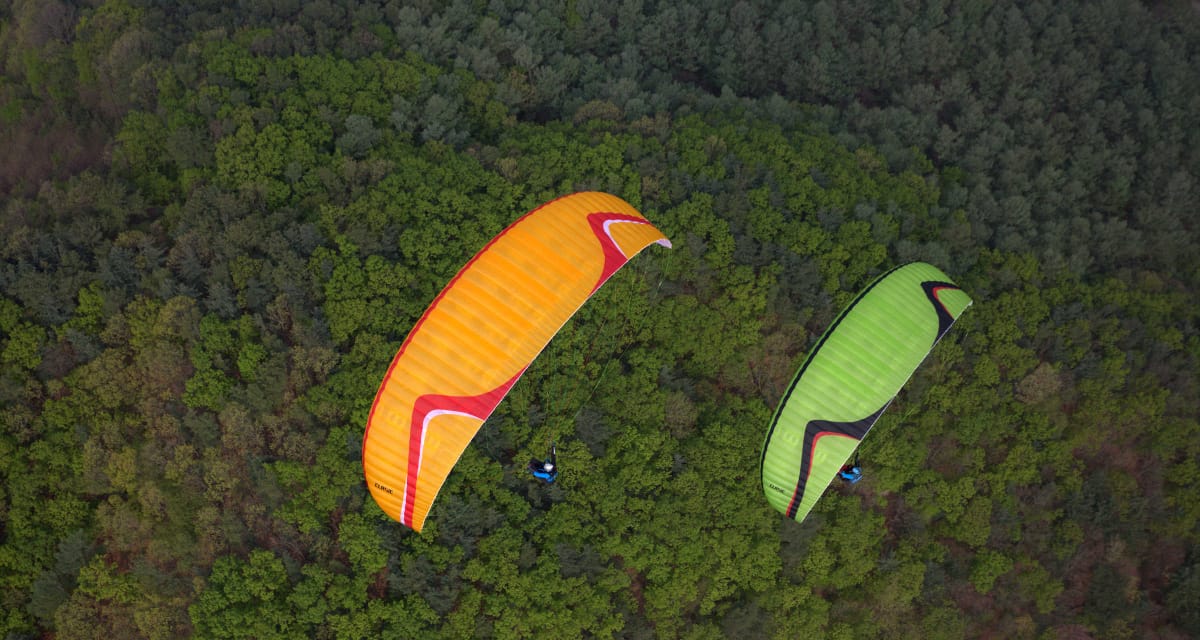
[481, 333]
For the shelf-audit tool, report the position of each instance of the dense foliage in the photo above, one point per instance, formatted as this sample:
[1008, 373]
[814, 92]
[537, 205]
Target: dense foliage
[219, 220]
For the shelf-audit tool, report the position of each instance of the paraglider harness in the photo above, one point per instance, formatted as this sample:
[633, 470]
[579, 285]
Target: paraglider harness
[547, 469]
[851, 473]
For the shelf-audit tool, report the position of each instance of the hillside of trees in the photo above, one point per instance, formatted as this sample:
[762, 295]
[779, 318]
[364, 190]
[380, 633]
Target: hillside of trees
[218, 222]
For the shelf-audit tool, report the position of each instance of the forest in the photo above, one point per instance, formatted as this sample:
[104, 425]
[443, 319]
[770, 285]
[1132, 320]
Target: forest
[219, 221]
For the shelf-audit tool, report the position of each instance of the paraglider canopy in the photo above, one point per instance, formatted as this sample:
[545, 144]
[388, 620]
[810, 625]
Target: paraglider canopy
[481, 333]
[850, 378]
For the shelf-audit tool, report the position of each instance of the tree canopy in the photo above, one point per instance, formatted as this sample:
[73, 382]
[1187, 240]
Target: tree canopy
[220, 221]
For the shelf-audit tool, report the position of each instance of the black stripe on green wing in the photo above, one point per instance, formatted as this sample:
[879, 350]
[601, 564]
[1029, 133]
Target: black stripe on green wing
[814, 432]
[849, 379]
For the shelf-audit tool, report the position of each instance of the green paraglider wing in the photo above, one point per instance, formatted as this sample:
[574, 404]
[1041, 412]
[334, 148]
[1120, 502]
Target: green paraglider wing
[850, 377]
